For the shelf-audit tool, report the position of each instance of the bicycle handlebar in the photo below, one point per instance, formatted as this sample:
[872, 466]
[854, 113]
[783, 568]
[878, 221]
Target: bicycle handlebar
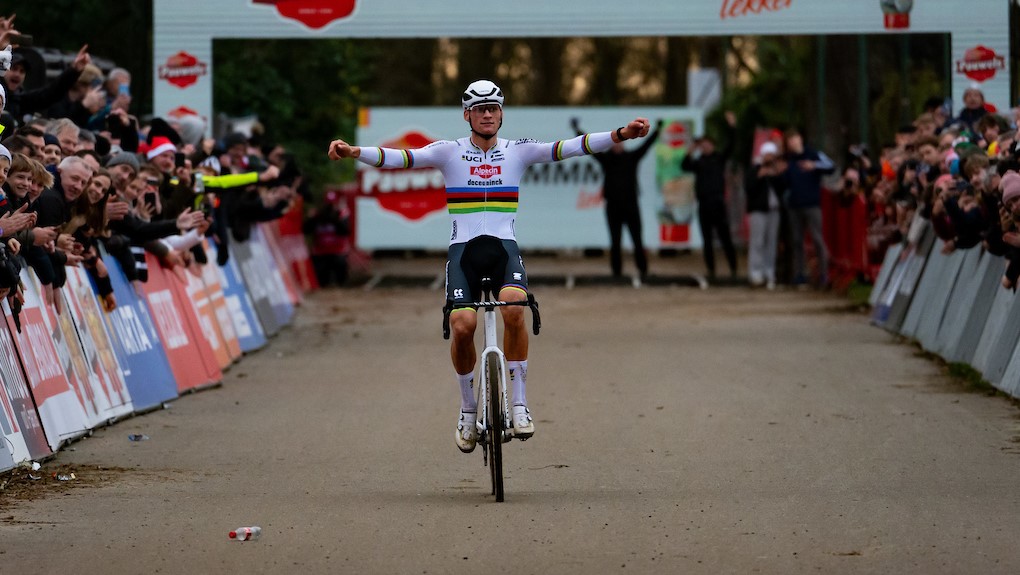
[531, 302]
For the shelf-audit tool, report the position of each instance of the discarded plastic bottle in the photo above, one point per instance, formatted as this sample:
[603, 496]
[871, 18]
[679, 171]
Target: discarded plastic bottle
[245, 533]
[137, 437]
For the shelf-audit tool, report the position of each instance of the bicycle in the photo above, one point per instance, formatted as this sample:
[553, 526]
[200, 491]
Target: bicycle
[493, 409]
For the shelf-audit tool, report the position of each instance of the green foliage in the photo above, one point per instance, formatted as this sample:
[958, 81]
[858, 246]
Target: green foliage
[886, 108]
[305, 93]
[858, 293]
[776, 96]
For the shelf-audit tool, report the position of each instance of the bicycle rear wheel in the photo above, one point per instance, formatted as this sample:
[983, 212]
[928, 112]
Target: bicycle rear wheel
[495, 425]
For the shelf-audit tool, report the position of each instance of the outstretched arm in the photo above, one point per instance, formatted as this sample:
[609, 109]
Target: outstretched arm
[432, 155]
[534, 152]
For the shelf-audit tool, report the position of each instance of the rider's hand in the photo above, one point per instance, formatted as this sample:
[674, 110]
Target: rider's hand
[637, 128]
[340, 149]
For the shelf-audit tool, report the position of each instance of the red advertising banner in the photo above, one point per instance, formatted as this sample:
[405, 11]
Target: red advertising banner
[19, 421]
[55, 388]
[196, 294]
[183, 345]
[213, 287]
[295, 249]
[197, 326]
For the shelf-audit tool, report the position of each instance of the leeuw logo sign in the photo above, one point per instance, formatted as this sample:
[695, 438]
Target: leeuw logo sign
[312, 13]
[182, 69]
[980, 63]
[413, 193]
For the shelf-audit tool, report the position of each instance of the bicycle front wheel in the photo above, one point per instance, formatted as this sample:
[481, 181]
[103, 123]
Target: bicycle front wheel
[495, 425]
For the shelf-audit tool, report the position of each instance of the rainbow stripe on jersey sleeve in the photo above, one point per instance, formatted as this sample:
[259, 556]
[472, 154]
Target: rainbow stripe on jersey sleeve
[406, 157]
[557, 150]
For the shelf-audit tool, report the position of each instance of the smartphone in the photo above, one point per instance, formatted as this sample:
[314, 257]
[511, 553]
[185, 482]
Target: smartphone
[124, 90]
[150, 199]
[21, 39]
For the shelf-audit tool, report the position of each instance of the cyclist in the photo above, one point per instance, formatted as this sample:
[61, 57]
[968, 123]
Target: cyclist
[482, 174]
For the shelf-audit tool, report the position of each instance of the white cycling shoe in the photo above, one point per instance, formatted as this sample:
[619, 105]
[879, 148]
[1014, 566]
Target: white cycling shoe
[467, 432]
[524, 425]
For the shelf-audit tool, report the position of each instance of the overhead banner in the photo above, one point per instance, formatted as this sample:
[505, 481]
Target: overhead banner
[560, 203]
[183, 30]
[136, 344]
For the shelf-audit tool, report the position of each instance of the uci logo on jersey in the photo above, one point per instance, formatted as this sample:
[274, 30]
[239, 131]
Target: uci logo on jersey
[469, 158]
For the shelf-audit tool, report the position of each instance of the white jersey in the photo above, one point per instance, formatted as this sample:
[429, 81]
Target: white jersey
[482, 187]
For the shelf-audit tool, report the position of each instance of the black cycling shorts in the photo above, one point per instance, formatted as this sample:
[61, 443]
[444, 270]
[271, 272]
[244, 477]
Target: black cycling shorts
[484, 256]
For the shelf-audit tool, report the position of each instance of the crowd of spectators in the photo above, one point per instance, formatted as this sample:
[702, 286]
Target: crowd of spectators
[79, 171]
[957, 174]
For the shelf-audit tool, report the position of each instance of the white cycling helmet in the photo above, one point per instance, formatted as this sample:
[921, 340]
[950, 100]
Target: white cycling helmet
[482, 92]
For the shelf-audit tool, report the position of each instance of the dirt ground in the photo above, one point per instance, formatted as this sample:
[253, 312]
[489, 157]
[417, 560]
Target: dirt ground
[725, 430]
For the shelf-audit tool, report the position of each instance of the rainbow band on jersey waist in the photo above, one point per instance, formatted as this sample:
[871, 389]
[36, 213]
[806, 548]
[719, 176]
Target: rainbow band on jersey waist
[406, 155]
[472, 200]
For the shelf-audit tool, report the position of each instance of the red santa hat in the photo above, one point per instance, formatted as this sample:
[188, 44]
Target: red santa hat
[160, 145]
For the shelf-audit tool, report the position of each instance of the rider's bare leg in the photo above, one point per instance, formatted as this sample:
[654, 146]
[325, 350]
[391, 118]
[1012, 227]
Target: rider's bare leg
[515, 334]
[462, 352]
[462, 341]
[515, 341]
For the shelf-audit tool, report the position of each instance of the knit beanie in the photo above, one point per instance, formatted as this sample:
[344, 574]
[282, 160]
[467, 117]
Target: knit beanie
[1010, 186]
[124, 158]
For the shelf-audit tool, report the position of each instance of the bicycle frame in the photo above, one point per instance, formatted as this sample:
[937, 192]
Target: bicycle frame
[491, 353]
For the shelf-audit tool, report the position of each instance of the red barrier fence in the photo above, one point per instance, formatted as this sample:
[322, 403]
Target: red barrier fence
[845, 228]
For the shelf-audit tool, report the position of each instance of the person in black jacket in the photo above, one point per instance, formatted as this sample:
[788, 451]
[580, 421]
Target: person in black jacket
[805, 168]
[765, 187]
[21, 102]
[620, 193]
[708, 166]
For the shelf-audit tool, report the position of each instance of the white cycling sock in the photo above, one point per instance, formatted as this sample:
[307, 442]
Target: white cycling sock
[467, 392]
[518, 381]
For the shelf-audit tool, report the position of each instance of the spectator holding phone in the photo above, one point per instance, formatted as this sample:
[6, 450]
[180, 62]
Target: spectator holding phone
[765, 188]
[83, 99]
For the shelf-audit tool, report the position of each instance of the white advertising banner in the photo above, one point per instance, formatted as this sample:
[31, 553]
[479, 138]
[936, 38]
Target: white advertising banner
[183, 30]
[560, 202]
